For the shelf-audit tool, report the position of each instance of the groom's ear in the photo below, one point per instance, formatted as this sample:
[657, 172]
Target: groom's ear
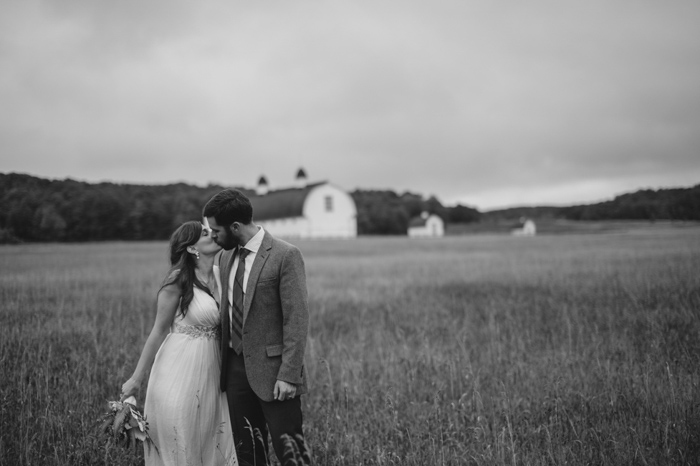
[235, 226]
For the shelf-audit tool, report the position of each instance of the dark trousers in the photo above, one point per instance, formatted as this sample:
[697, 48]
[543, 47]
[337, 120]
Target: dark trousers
[252, 418]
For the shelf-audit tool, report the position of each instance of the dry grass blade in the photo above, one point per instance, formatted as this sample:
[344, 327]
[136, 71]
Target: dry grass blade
[296, 453]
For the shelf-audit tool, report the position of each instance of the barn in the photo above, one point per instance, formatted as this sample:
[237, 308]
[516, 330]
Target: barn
[305, 210]
[426, 225]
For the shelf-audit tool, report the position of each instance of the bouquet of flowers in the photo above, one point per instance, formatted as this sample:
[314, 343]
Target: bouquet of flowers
[124, 424]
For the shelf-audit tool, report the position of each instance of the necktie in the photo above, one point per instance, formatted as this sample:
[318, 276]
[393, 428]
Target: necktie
[237, 305]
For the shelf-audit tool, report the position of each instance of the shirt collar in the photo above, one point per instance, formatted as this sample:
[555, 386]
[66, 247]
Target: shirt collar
[255, 242]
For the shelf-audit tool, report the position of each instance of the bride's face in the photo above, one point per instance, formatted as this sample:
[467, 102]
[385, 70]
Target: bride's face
[206, 244]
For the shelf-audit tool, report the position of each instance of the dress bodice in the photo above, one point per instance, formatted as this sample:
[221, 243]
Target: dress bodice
[202, 318]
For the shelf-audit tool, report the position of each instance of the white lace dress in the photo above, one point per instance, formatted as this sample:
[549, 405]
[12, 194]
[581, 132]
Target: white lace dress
[186, 411]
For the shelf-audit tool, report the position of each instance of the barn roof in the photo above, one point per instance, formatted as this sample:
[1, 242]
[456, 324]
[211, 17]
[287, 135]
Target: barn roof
[418, 221]
[421, 220]
[281, 203]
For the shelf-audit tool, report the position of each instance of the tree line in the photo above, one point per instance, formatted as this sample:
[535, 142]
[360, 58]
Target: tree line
[37, 209]
[646, 204]
[388, 213]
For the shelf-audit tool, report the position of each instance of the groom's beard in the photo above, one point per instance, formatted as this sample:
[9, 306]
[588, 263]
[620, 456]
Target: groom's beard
[229, 242]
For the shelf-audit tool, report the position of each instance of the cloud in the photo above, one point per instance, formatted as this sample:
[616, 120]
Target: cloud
[465, 100]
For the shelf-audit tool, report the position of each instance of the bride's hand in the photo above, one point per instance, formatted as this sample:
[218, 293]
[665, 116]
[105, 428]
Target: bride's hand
[130, 387]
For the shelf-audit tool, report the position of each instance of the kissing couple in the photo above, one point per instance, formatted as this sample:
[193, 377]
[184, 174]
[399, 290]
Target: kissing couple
[226, 352]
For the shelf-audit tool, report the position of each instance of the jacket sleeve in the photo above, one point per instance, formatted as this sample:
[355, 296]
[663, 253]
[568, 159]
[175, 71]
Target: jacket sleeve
[295, 315]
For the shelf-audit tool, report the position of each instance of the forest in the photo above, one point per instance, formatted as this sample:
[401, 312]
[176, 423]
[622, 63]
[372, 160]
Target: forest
[34, 209]
[646, 204]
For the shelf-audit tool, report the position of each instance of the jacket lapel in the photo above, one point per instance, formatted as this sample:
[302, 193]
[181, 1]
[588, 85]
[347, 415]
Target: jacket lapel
[260, 258]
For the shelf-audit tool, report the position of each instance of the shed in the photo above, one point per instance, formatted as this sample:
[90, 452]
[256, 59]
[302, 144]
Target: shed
[426, 225]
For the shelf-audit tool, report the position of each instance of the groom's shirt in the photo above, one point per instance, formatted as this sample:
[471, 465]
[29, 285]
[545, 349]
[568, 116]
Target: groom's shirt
[253, 245]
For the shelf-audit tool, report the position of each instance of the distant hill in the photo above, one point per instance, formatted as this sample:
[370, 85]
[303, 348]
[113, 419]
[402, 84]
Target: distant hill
[37, 209]
[515, 213]
[646, 204]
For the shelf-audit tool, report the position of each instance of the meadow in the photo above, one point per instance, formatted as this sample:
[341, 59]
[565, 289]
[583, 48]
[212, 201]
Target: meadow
[483, 349]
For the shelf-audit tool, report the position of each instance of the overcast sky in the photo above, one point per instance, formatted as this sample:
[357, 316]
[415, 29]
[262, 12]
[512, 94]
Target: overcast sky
[487, 103]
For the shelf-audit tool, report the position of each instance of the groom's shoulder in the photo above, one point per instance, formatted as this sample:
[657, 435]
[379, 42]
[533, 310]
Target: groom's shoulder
[281, 246]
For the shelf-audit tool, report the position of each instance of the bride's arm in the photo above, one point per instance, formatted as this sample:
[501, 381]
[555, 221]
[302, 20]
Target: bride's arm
[168, 301]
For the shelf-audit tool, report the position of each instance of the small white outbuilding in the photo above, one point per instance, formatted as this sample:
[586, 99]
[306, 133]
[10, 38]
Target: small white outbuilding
[305, 210]
[426, 226]
[528, 228]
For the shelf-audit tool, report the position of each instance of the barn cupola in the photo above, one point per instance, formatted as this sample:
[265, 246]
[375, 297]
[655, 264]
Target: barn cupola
[262, 187]
[300, 180]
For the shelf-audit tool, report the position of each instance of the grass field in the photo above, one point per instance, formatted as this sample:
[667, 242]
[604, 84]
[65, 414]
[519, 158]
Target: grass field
[477, 350]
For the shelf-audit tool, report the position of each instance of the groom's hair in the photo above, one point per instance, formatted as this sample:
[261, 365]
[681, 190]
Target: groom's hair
[228, 206]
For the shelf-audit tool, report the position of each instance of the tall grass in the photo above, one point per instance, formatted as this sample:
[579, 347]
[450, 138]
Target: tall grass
[480, 350]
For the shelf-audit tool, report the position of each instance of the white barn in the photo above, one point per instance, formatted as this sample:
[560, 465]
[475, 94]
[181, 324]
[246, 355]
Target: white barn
[316, 210]
[425, 226]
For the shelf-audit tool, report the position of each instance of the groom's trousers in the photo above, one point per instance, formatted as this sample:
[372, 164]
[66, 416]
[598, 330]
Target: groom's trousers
[250, 415]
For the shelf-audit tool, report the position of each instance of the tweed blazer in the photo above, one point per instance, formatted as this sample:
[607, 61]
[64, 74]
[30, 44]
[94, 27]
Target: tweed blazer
[276, 317]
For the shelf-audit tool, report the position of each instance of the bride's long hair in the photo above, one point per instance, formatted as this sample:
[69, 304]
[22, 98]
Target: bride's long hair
[183, 264]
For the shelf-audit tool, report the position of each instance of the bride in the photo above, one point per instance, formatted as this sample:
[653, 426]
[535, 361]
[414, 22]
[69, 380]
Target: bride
[186, 411]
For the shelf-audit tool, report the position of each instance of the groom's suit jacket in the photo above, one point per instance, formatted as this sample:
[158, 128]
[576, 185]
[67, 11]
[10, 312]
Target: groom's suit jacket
[276, 317]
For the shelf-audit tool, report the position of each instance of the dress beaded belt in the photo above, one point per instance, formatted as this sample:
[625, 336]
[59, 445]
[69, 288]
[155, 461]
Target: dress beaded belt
[198, 331]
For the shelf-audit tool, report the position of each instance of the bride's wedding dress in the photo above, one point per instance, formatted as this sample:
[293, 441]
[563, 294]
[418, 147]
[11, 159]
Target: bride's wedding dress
[186, 411]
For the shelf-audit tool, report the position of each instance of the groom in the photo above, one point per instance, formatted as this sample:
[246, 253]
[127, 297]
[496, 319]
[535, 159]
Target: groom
[265, 318]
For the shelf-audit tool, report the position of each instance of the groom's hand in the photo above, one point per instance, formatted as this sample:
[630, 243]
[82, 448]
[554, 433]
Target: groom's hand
[284, 390]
